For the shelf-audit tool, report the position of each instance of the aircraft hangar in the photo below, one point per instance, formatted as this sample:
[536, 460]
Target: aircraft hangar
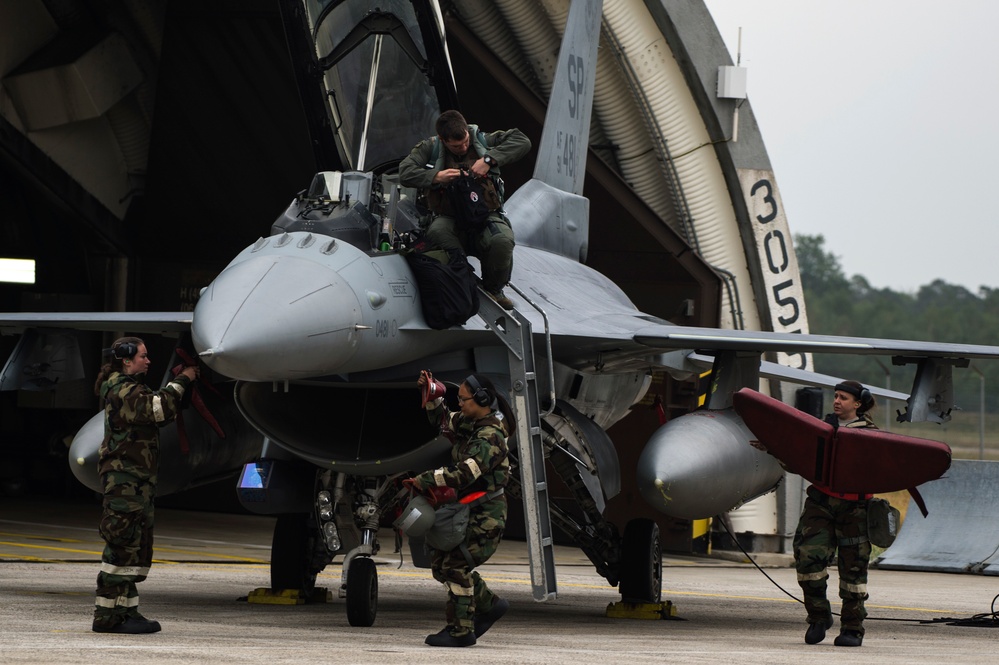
[142, 145]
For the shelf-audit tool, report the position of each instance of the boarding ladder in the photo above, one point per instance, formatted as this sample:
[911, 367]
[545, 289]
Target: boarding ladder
[514, 330]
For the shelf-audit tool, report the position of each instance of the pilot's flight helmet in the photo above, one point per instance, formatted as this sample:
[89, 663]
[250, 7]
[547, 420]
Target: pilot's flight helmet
[417, 517]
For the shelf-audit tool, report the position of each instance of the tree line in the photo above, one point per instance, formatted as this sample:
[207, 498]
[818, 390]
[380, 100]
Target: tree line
[937, 312]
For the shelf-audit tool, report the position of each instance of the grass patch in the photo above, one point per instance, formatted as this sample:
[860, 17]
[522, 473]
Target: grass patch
[962, 433]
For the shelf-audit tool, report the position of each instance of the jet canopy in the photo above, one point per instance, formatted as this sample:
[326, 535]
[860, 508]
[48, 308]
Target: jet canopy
[384, 86]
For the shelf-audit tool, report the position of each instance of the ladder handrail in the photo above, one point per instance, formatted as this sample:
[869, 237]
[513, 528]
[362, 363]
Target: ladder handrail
[548, 349]
[514, 330]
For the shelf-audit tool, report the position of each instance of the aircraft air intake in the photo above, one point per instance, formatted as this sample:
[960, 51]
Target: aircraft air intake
[375, 430]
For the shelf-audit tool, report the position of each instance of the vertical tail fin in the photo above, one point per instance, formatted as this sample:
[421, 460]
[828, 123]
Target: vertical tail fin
[549, 212]
[566, 136]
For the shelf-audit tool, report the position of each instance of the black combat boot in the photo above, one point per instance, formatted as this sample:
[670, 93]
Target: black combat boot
[446, 638]
[485, 621]
[817, 630]
[130, 626]
[849, 638]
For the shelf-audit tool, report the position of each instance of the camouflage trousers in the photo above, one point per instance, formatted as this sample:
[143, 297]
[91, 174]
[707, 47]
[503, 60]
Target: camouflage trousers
[829, 525]
[493, 246]
[127, 529]
[468, 594]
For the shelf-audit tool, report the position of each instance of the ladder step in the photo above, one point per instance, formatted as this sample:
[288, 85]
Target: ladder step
[514, 331]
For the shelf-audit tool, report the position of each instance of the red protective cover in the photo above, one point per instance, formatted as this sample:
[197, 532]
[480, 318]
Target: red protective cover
[802, 443]
[432, 390]
[872, 461]
[854, 460]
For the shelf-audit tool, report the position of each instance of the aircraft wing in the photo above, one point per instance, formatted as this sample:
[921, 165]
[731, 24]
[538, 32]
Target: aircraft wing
[778, 372]
[133, 322]
[666, 337]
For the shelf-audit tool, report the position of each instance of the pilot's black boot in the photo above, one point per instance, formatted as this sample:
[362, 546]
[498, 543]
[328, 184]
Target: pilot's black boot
[485, 621]
[849, 638]
[817, 631]
[446, 638]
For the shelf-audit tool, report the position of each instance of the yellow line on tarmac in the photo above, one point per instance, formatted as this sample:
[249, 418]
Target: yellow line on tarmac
[5, 556]
[29, 536]
[158, 551]
[97, 553]
[909, 609]
[54, 549]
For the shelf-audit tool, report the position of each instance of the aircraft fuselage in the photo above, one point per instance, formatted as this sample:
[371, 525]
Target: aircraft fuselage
[301, 306]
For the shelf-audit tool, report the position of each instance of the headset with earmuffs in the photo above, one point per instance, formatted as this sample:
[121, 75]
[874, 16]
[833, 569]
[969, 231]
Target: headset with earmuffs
[866, 401]
[124, 350]
[479, 394]
[865, 396]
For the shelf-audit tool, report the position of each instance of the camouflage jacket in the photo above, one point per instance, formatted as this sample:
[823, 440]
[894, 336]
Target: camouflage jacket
[427, 158]
[480, 457]
[133, 414]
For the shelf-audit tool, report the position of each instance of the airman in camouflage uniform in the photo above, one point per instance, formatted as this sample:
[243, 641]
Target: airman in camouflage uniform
[479, 463]
[128, 465]
[831, 522]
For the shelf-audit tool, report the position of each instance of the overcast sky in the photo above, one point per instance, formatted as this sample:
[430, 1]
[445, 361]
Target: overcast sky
[881, 120]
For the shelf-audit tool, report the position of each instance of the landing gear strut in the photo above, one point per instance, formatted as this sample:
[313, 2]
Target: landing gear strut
[359, 580]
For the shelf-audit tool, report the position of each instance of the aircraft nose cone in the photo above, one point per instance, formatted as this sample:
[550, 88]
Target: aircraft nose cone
[272, 318]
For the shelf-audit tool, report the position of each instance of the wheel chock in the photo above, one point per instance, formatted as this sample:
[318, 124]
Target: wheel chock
[625, 610]
[266, 596]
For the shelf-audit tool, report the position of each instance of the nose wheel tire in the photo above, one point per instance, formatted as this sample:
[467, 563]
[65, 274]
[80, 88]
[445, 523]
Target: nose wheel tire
[291, 554]
[641, 562]
[362, 592]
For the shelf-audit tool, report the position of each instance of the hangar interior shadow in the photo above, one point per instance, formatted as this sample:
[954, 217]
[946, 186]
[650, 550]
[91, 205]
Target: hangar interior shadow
[228, 149]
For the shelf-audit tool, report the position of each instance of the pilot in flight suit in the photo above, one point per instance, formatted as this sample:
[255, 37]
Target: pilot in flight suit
[437, 161]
